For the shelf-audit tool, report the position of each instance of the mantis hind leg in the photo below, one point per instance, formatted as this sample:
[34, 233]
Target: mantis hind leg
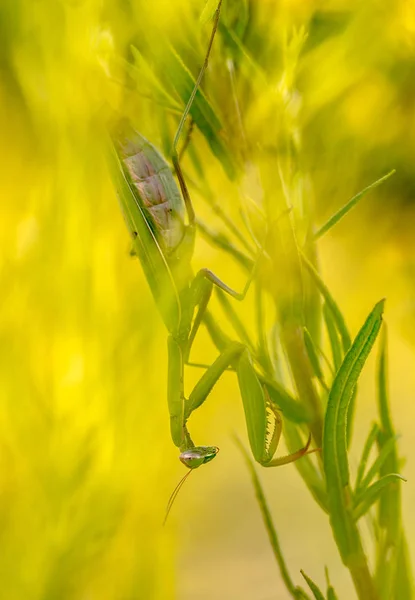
[202, 287]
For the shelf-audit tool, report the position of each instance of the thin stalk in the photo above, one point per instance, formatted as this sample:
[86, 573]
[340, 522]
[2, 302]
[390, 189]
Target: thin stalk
[293, 590]
[293, 341]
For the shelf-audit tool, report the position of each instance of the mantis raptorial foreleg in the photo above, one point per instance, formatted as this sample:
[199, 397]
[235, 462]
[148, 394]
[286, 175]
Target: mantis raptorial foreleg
[256, 402]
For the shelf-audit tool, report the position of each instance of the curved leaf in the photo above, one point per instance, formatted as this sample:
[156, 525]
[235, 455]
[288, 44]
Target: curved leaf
[373, 492]
[317, 593]
[349, 205]
[335, 440]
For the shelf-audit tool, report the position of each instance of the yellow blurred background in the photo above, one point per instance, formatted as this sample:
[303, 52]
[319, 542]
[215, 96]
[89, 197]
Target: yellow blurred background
[86, 460]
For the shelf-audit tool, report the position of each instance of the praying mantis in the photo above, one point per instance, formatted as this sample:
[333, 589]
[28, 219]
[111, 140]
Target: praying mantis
[154, 210]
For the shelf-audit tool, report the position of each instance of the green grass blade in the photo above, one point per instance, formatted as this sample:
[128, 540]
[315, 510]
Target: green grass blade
[263, 353]
[375, 469]
[393, 568]
[238, 13]
[317, 593]
[294, 591]
[337, 354]
[372, 493]
[331, 303]
[233, 317]
[346, 380]
[201, 111]
[312, 298]
[351, 204]
[246, 63]
[305, 466]
[335, 438]
[331, 594]
[370, 441]
[313, 355]
[336, 349]
[221, 241]
[404, 584]
[146, 79]
[208, 11]
[390, 503]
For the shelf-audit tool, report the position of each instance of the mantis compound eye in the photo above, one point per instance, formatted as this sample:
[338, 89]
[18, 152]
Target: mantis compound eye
[195, 457]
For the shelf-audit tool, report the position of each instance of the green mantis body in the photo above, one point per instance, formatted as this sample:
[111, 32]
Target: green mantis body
[154, 211]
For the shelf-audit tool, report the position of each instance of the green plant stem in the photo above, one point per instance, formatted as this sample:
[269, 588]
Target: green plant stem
[293, 341]
[294, 591]
[363, 581]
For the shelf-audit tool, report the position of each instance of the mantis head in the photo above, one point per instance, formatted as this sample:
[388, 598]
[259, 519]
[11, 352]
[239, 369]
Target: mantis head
[192, 459]
[197, 456]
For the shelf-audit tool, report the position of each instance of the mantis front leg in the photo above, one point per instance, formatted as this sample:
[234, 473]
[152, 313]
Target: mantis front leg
[258, 407]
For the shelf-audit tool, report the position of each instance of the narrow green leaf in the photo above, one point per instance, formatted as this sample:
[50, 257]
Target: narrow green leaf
[218, 337]
[312, 299]
[148, 82]
[270, 527]
[331, 594]
[246, 63]
[350, 417]
[382, 381]
[331, 303]
[263, 352]
[346, 379]
[347, 207]
[334, 441]
[196, 161]
[221, 240]
[201, 111]
[370, 441]
[404, 584]
[393, 568]
[372, 493]
[233, 318]
[312, 355]
[337, 354]
[390, 502]
[208, 11]
[317, 593]
[336, 349]
[306, 467]
[376, 467]
[237, 12]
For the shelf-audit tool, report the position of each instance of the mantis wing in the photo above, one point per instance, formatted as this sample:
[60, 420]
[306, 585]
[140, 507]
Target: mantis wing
[148, 250]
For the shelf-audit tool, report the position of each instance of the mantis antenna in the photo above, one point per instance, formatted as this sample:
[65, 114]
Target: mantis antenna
[174, 496]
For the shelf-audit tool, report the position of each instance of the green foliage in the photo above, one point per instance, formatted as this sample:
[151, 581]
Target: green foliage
[317, 593]
[351, 204]
[296, 112]
[336, 465]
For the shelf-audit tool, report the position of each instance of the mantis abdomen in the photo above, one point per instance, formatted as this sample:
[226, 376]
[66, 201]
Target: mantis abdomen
[156, 188]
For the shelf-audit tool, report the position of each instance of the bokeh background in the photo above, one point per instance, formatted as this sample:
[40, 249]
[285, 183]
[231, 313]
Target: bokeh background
[86, 460]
